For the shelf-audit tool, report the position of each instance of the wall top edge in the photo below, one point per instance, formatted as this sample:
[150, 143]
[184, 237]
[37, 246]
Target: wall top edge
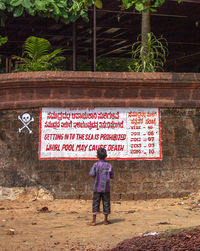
[62, 75]
[40, 79]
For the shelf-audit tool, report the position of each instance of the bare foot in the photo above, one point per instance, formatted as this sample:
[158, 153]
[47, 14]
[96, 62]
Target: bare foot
[91, 223]
[107, 222]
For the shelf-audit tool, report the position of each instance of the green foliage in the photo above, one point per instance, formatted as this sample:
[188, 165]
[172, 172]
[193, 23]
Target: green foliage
[154, 57]
[65, 10]
[3, 40]
[113, 64]
[141, 5]
[104, 64]
[98, 4]
[37, 56]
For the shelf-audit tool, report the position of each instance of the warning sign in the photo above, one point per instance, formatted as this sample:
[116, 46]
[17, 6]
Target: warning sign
[77, 133]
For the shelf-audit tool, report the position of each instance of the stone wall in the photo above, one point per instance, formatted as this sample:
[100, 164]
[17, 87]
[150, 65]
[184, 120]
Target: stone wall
[177, 174]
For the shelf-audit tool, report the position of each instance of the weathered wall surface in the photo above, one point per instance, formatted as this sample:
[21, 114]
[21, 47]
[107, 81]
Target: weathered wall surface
[177, 174]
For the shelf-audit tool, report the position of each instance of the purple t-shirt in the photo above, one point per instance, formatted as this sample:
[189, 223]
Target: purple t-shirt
[102, 172]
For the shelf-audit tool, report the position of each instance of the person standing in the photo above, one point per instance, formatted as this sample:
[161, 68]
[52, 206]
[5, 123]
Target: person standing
[102, 172]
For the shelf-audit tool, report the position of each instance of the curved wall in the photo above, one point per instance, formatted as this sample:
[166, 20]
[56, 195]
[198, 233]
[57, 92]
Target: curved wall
[178, 96]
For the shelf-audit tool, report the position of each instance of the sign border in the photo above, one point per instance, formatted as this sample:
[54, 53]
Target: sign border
[75, 158]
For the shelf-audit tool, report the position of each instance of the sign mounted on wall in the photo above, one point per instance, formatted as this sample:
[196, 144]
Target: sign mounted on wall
[77, 133]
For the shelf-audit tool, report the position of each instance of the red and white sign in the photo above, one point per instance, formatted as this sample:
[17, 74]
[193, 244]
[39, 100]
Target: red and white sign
[77, 133]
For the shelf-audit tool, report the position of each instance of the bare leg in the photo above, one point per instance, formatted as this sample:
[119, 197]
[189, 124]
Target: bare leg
[93, 223]
[94, 218]
[106, 222]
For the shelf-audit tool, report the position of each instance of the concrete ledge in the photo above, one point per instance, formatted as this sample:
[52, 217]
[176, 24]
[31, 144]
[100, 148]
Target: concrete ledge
[89, 89]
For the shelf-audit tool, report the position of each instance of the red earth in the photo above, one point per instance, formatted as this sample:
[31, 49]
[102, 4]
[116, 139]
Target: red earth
[62, 225]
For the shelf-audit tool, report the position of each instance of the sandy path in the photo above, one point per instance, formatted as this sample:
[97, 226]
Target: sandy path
[65, 227]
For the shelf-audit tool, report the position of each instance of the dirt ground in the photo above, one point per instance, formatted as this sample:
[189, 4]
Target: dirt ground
[64, 226]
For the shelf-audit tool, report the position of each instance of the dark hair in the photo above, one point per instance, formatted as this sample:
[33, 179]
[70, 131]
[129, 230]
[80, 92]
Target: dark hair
[101, 153]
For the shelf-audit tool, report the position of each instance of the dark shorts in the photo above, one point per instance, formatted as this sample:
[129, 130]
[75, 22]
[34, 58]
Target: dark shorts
[97, 197]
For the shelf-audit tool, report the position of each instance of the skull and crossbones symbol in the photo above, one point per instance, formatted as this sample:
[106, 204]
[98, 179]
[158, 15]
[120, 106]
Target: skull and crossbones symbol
[26, 120]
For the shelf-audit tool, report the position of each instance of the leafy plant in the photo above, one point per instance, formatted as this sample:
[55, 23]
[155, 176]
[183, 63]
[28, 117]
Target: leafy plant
[67, 11]
[104, 64]
[3, 40]
[154, 57]
[37, 55]
[145, 7]
[113, 64]
[141, 5]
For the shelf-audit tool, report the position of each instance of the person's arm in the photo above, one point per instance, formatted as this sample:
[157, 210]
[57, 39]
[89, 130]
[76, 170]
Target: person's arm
[111, 172]
[93, 171]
